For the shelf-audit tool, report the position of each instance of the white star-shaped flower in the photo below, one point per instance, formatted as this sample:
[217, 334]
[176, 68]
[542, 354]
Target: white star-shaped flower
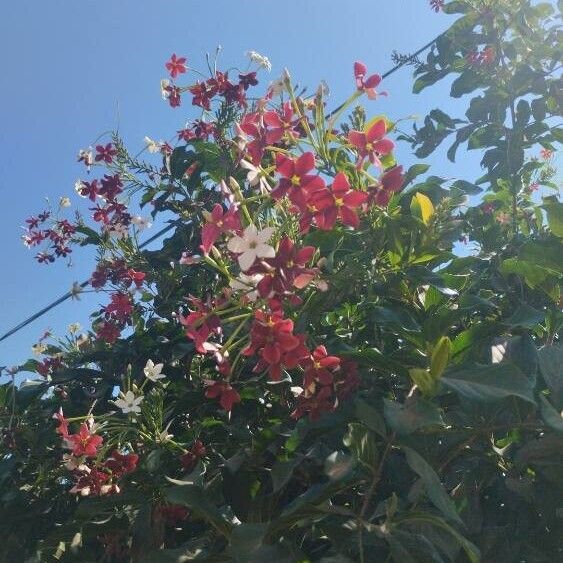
[248, 284]
[127, 402]
[256, 176]
[153, 371]
[251, 245]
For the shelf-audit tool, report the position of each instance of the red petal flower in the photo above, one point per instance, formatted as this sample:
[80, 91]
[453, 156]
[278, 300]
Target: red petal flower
[176, 65]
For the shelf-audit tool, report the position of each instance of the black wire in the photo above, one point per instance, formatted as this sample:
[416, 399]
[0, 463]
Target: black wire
[73, 292]
[166, 229]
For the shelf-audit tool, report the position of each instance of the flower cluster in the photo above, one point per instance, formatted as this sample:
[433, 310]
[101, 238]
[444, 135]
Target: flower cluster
[92, 475]
[56, 234]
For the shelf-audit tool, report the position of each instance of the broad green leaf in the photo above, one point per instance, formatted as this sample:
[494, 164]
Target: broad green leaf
[440, 357]
[551, 367]
[361, 442]
[196, 499]
[412, 415]
[424, 380]
[554, 211]
[434, 488]
[490, 383]
[525, 317]
[338, 465]
[370, 417]
[552, 418]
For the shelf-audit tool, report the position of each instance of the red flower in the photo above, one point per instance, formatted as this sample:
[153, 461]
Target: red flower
[218, 222]
[339, 203]
[90, 189]
[202, 94]
[296, 183]
[62, 429]
[84, 443]
[390, 183]
[119, 463]
[224, 391]
[272, 338]
[108, 332]
[280, 124]
[192, 456]
[318, 368]
[105, 153]
[200, 324]
[173, 514]
[371, 144]
[173, 95]
[176, 65]
[287, 270]
[248, 79]
[436, 5]
[315, 405]
[369, 84]
[120, 307]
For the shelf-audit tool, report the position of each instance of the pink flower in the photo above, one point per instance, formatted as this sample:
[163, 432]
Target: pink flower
[105, 153]
[218, 222]
[371, 144]
[224, 392]
[369, 84]
[339, 203]
[296, 182]
[176, 65]
[85, 443]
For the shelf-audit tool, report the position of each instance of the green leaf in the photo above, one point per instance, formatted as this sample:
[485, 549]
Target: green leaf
[361, 442]
[490, 383]
[338, 465]
[552, 418]
[370, 417]
[440, 357]
[467, 187]
[434, 488]
[525, 317]
[424, 380]
[414, 414]
[414, 171]
[470, 549]
[554, 211]
[551, 368]
[196, 499]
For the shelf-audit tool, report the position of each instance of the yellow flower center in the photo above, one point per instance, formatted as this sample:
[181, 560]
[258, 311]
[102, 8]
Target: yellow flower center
[295, 180]
[339, 202]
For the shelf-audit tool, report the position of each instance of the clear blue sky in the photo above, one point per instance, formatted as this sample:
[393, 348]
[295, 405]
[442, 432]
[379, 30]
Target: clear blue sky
[72, 70]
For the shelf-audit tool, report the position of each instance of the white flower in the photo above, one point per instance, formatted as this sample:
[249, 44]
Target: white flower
[276, 87]
[74, 328]
[256, 176]
[118, 230]
[164, 84]
[251, 245]
[153, 371]
[78, 185]
[127, 402]
[248, 284]
[260, 60]
[153, 146]
[64, 202]
[141, 222]
[38, 349]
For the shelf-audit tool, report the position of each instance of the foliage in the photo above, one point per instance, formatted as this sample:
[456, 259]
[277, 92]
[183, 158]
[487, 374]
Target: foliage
[308, 368]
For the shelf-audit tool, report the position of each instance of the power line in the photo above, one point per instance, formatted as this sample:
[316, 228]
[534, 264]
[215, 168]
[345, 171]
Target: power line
[73, 291]
[69, 294]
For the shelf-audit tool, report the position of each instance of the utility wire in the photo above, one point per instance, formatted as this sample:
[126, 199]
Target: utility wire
[72, 293]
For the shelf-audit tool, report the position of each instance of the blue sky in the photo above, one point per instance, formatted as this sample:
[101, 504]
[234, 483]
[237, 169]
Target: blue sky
[73, 70]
